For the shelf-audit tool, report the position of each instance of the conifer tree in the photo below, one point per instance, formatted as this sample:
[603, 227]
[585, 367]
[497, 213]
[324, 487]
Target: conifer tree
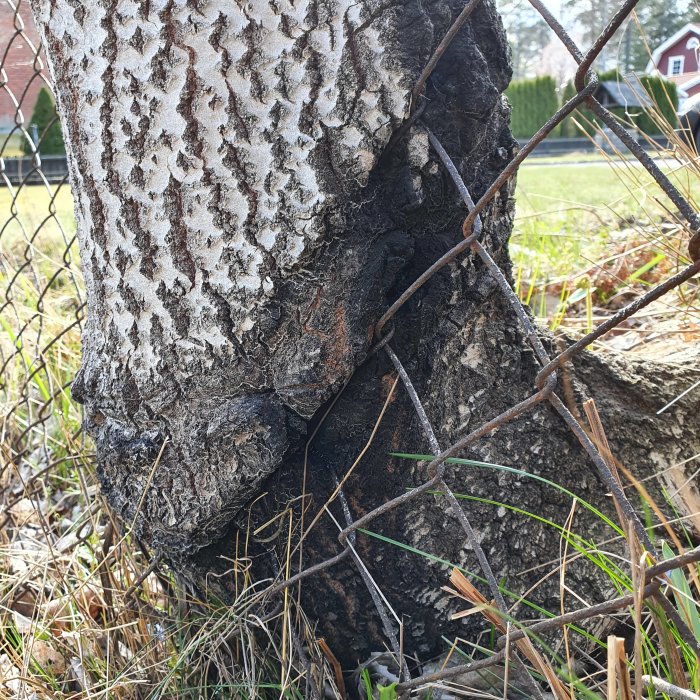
[48, 127]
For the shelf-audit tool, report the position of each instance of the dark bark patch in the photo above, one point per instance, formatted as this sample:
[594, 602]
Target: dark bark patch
[176, 239]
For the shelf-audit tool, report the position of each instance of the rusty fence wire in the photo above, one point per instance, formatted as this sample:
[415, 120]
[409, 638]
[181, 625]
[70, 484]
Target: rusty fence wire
[42, 307]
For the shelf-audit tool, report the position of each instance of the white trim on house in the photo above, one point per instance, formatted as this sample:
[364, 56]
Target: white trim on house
[671, 59]
[683, 95]
[659, 51]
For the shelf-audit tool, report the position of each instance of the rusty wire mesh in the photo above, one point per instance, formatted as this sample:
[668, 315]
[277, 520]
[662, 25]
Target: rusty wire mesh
[39, 348]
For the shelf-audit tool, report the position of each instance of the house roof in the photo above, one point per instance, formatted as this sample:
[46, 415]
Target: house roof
[684, 79]
[627, 93]
[690, 81]
[690, 28]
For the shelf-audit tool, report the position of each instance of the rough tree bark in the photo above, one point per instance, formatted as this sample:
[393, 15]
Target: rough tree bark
[243, 224]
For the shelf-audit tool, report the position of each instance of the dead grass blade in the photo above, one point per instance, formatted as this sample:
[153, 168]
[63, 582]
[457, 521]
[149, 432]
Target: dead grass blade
[526, 647]
[618, 672]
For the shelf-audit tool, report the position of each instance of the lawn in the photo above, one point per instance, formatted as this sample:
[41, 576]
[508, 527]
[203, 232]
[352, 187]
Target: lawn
[36, 222]
[29, 209]
[616, 189]
[572, 218]
[11, 145]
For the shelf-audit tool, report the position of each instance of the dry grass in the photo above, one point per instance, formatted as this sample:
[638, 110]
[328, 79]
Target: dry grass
[81, 619]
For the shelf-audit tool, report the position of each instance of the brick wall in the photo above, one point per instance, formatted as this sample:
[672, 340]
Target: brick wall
[18, 74]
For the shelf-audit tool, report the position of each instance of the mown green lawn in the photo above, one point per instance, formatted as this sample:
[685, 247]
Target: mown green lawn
[617, 188]
[570, 216]
[37, 216]
[11, 145]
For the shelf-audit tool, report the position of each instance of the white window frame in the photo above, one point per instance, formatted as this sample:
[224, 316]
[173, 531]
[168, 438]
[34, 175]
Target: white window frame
[671, 60]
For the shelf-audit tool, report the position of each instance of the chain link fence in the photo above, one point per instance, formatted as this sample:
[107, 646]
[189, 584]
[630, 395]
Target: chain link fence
[42, 292]
[43, 302]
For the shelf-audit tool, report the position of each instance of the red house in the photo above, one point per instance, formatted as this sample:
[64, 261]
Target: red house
[677, 59]
[22, 75]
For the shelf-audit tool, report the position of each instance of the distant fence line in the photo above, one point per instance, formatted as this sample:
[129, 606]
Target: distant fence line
[562, 146]
[34, 169]
[30, 170]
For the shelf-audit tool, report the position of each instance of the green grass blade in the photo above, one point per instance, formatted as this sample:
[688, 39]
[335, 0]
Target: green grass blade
[517, 472]
[687, 607]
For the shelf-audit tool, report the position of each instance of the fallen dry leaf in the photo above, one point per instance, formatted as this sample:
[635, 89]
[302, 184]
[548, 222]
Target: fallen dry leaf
[48, 658]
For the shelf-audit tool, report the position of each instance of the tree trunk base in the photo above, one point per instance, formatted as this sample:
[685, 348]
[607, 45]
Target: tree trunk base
[477, 365]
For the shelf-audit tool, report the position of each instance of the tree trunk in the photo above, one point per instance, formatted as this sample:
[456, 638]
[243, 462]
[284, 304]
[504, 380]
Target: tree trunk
[245, 217]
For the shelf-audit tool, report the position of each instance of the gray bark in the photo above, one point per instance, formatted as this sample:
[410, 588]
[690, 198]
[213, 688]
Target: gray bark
[243, 224]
